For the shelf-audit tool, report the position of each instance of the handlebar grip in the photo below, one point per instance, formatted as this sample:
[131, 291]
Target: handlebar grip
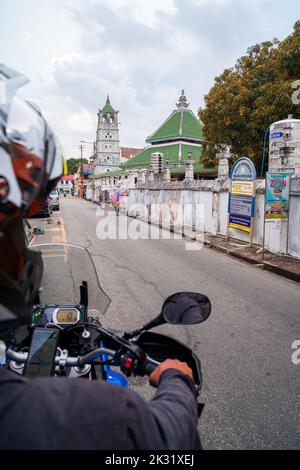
[150, 366]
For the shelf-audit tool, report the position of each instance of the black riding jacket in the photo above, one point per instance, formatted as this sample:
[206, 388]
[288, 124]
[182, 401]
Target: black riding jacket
[61, 413]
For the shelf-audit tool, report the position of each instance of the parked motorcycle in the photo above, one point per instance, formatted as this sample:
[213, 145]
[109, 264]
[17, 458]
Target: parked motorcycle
[66, 336]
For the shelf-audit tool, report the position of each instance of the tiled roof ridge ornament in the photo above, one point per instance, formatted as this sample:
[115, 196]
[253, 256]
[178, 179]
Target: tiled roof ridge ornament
[182, 103]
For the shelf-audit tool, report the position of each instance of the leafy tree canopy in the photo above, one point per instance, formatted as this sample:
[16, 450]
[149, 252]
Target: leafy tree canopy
[247, 98]
[72, 164]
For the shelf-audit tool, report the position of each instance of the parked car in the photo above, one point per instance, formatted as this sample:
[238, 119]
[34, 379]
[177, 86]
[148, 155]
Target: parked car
[54, 199]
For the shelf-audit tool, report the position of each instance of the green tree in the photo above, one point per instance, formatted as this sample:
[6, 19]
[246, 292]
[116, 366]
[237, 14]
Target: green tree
[73, 164]
[246, 99]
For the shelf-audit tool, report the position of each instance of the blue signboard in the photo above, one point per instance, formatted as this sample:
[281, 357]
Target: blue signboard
[276, 135]
[241, 202]
[241, 205]
[240, 222]
[243, 170]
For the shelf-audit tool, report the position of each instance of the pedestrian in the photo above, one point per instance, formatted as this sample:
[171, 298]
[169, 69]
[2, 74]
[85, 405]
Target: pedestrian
[116, 201]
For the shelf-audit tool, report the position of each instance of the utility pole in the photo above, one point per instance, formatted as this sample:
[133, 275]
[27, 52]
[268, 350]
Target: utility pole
[93, 159]
[81, 152]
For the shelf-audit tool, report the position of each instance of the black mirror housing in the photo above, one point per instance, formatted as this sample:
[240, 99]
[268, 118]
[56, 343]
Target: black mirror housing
[186, 308]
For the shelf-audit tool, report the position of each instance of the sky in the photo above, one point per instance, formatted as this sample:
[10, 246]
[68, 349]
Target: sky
[141, 52]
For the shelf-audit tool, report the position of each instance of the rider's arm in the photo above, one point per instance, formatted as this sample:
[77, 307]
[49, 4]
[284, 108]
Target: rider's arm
[78, 414]
[169, 421]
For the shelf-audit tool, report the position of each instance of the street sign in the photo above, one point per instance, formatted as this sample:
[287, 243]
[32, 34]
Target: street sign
[243, 170]
[241, 210]
[240, 222]
[242, 187]
[241, 205]
[241, 201]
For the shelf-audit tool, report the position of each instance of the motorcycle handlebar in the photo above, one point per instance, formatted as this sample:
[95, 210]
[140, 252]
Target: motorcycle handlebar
[69, 361]
[150, 366]
[80, 361]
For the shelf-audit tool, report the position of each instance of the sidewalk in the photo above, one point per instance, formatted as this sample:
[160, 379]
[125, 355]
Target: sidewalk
[280, 264]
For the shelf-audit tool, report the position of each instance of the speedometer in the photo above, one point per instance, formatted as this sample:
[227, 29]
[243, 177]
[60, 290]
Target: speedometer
[65, 316]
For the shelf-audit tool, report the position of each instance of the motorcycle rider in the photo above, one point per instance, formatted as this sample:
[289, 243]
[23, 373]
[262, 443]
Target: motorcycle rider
[58, 413]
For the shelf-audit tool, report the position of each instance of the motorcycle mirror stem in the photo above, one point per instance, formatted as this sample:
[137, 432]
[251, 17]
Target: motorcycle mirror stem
[84, 295]
[159, 320]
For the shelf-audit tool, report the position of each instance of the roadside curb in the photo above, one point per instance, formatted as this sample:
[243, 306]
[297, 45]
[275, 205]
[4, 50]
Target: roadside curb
[282, 272]
[259, 263]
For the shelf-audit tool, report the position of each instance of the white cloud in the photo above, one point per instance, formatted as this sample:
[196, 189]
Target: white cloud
[202, 3]
[81, 122]
[148, 13]
[185, 43]
[66, 59]
[25, 35]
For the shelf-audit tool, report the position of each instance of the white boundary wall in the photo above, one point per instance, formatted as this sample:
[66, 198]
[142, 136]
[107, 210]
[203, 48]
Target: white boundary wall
[211, 199]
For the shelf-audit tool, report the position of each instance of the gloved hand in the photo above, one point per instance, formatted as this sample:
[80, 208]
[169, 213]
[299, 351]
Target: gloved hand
[169, 364]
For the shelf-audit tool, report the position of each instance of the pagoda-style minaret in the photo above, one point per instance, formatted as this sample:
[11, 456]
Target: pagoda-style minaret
[107, 139]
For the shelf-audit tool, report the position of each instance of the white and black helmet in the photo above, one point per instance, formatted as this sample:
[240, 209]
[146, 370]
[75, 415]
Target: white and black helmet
[30, 166]
[30, 159]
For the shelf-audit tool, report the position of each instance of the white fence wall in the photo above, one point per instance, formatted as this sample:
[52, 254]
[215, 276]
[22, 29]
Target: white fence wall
[205, 206]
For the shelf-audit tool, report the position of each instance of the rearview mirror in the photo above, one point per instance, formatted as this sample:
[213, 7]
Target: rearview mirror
[182, 308]
[186, 308]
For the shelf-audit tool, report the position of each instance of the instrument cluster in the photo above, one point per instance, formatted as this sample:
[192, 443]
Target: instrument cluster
[62, 315]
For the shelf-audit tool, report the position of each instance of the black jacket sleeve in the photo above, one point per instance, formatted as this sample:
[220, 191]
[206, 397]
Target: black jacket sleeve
[169, 421]
[58, 413]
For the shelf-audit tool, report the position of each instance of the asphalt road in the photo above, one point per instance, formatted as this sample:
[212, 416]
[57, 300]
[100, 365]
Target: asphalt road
[251, 387]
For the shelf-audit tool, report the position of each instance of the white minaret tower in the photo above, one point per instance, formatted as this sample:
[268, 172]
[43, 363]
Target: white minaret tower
[107, 140]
